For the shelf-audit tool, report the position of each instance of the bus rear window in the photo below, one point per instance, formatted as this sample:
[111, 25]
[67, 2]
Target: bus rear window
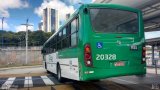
[114, 21]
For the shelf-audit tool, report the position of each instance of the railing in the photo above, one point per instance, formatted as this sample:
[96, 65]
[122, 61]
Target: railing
[151, 63]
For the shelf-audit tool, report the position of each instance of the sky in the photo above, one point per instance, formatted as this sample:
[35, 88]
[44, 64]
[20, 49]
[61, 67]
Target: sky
[17, 11]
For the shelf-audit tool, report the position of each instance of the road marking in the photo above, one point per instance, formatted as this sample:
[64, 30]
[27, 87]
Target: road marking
[8, 83]
[28, 82]
[124, 80]
[47, 81]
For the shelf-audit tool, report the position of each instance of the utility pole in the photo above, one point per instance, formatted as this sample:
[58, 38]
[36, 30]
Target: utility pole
[27, 39]
[2, 22]
[2, 30]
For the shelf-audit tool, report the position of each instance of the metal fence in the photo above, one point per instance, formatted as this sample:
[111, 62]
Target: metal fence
[152, 63]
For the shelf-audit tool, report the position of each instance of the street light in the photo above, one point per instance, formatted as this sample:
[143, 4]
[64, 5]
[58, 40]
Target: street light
[2, 22]
[2, 29]
[27, 38]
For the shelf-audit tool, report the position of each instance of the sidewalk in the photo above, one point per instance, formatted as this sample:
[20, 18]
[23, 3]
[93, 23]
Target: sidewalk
[20, 67]
[22, 71]
[152, 70]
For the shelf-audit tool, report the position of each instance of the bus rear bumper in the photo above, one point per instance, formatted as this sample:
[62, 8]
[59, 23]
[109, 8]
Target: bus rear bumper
[98, 73]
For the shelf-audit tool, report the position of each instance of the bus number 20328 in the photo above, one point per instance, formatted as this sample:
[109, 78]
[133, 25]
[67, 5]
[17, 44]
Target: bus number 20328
[105, 56]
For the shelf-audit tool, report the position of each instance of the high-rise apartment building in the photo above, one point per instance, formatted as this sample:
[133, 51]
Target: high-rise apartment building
[50, 20]
[40, 25]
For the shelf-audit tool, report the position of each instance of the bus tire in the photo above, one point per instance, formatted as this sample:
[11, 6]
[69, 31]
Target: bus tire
[59, 73]
[46, 68]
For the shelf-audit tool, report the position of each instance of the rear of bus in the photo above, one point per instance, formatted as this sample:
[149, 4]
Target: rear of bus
[113, 42]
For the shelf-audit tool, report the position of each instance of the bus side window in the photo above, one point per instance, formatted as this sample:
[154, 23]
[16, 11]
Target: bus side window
[74, 29]
[53, 44]
[77, 19]
[55, 39]
[59, 40]
[64, 41]
[47, 48]
[68, 38]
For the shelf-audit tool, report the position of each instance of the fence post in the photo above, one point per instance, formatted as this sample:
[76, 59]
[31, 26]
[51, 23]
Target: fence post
[155, 60]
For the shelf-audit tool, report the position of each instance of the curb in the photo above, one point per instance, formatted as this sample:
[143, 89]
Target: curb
[154, 74]
[20, 67]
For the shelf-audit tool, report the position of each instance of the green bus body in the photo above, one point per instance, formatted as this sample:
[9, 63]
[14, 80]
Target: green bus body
[118, 44]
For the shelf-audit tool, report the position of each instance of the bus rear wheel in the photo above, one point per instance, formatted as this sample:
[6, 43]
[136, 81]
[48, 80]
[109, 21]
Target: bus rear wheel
[59, 73]
[46, 67]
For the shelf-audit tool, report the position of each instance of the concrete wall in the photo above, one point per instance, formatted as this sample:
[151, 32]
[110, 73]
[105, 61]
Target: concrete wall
[17, 55]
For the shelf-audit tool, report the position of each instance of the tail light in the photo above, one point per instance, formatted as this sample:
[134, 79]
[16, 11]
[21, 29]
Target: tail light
[87, 55]
[143, 54]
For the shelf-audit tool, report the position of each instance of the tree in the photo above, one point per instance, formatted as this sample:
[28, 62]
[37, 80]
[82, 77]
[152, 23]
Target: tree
[35, 38]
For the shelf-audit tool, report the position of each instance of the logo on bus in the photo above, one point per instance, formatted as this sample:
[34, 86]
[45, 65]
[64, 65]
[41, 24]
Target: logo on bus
[50, 58]
[99, 45]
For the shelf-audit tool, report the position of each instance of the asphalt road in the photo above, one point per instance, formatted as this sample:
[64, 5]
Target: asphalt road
[49, 82]
[150, 81]
[118, 83]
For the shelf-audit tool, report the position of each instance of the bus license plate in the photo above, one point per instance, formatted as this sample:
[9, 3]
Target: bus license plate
[119, 63]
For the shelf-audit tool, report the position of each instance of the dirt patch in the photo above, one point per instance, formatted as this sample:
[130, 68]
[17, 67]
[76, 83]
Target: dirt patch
[38, 88]
[63, 87]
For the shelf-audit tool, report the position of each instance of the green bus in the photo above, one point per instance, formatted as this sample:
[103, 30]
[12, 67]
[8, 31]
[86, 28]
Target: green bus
[98, 41]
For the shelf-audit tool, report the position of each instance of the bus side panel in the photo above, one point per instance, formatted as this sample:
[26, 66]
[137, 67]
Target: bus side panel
[68, 60]
[83, 39]
[51, 62]
[69, 68]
